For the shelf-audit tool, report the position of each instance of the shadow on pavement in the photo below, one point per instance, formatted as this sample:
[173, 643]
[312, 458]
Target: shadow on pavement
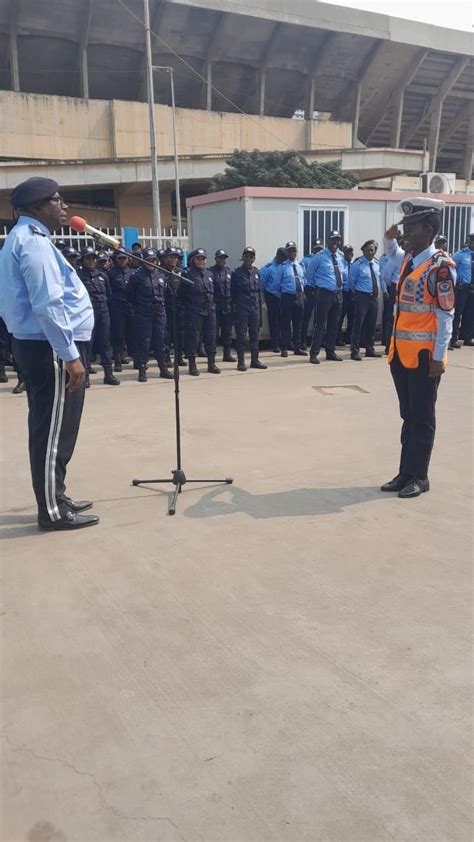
[299, 501]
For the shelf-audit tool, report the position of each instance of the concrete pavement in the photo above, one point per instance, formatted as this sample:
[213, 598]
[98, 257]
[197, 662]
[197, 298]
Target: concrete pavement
[288, 659]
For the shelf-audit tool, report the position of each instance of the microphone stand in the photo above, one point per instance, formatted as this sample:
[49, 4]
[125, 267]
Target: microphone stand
[178, 477]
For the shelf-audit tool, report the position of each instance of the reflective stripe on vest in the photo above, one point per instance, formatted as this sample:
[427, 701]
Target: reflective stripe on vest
[416, 308]
[415, 335]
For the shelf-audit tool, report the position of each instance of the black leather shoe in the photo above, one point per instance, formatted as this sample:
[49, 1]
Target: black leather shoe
[468, 343]
[276, 349]
[454, 346]
[19, 388]
[3, 376]
[332, 357]
[413, 488]
[284, 353]
[313, 358]
[165, 374]
[395, 484]
[372, 354]
[118, 367]
[71, 520]
[356, 357]
[77, 505]
[241, 366]
[300, 353]
[227, 357]
[257, 364]
[109, 379]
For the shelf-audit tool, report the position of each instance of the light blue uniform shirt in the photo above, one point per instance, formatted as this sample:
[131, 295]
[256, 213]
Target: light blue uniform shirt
[321, 272]
[360, 279]
[444, 318]
[270, 278]
[287, 276]
[41, 296]
[464, 260]
[388, 271]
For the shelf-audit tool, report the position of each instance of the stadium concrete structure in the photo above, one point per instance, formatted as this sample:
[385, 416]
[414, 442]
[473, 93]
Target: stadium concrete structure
[388, 98]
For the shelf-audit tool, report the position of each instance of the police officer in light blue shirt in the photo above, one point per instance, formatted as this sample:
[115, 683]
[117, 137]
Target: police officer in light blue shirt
[326, 272]
[270, 286]
[464, 313]
[48, 311]
[292, 283]
[389, 272]
[367, 286]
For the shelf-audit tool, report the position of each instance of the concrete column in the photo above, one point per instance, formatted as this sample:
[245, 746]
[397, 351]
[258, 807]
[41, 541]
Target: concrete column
[13, 50]
[209, 86]
[469, 153]
[83, 73]
[356, 115]
[309, 110]
[435, 123]
[397, 121]
[263, 80]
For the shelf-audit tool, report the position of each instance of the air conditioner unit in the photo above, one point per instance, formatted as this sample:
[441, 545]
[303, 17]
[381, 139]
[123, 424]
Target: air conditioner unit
[438, 182]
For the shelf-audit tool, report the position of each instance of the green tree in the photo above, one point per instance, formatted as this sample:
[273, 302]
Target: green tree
[279, 169]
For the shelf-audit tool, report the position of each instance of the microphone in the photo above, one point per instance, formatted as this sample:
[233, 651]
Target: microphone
[80, 225]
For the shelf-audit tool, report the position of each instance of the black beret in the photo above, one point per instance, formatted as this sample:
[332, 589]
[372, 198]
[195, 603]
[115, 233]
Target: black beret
[33, 190]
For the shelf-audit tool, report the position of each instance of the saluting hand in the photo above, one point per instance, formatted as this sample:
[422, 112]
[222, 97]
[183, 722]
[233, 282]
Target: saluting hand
[392, 232]
[437, 368]
[76, 372]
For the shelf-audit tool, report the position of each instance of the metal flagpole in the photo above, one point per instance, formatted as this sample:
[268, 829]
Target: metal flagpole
[155, 185]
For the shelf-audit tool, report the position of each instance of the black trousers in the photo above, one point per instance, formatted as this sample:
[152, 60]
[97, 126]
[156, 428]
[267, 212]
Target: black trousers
[309, 305]
[246, 320]
[292, 310]
[417, 393]
[462, 314]
[121, 329]
[387, 318]
[197, 325]
[100, 339]
[170, 327]
[54, 416]
[365, 316]
[274, 318]
[347, 312]
[4, 344]
[150, 333]
[224, 327]
[328, 311]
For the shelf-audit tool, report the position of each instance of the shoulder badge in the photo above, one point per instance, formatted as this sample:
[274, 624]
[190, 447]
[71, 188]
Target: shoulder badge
[445, 294]
[35, 230]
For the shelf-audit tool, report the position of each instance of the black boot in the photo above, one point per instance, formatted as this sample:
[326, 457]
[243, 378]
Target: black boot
[255, 362]
[124, 359]
[117, 365]
[3, 376]
[87, 381]
[109, 379]
[192, 367]
[241, 361]
[227, 356]
[211, 365]
[142, 378]
[165, 374]
[181, 361]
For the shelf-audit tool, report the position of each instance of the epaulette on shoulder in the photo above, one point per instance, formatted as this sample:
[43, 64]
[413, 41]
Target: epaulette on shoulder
[361, 257]
[36, 230]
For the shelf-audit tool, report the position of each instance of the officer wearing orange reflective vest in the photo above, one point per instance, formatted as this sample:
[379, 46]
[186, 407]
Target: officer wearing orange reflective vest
[423, 323]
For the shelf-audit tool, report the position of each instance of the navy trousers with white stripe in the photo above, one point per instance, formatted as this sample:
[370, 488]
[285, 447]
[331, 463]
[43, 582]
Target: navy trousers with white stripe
[53, 421]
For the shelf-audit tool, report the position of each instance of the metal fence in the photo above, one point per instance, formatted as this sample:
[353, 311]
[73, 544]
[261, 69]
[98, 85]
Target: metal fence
[145, 236]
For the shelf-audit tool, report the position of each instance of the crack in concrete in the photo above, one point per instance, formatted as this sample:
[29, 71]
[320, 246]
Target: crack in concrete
[100, 790]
